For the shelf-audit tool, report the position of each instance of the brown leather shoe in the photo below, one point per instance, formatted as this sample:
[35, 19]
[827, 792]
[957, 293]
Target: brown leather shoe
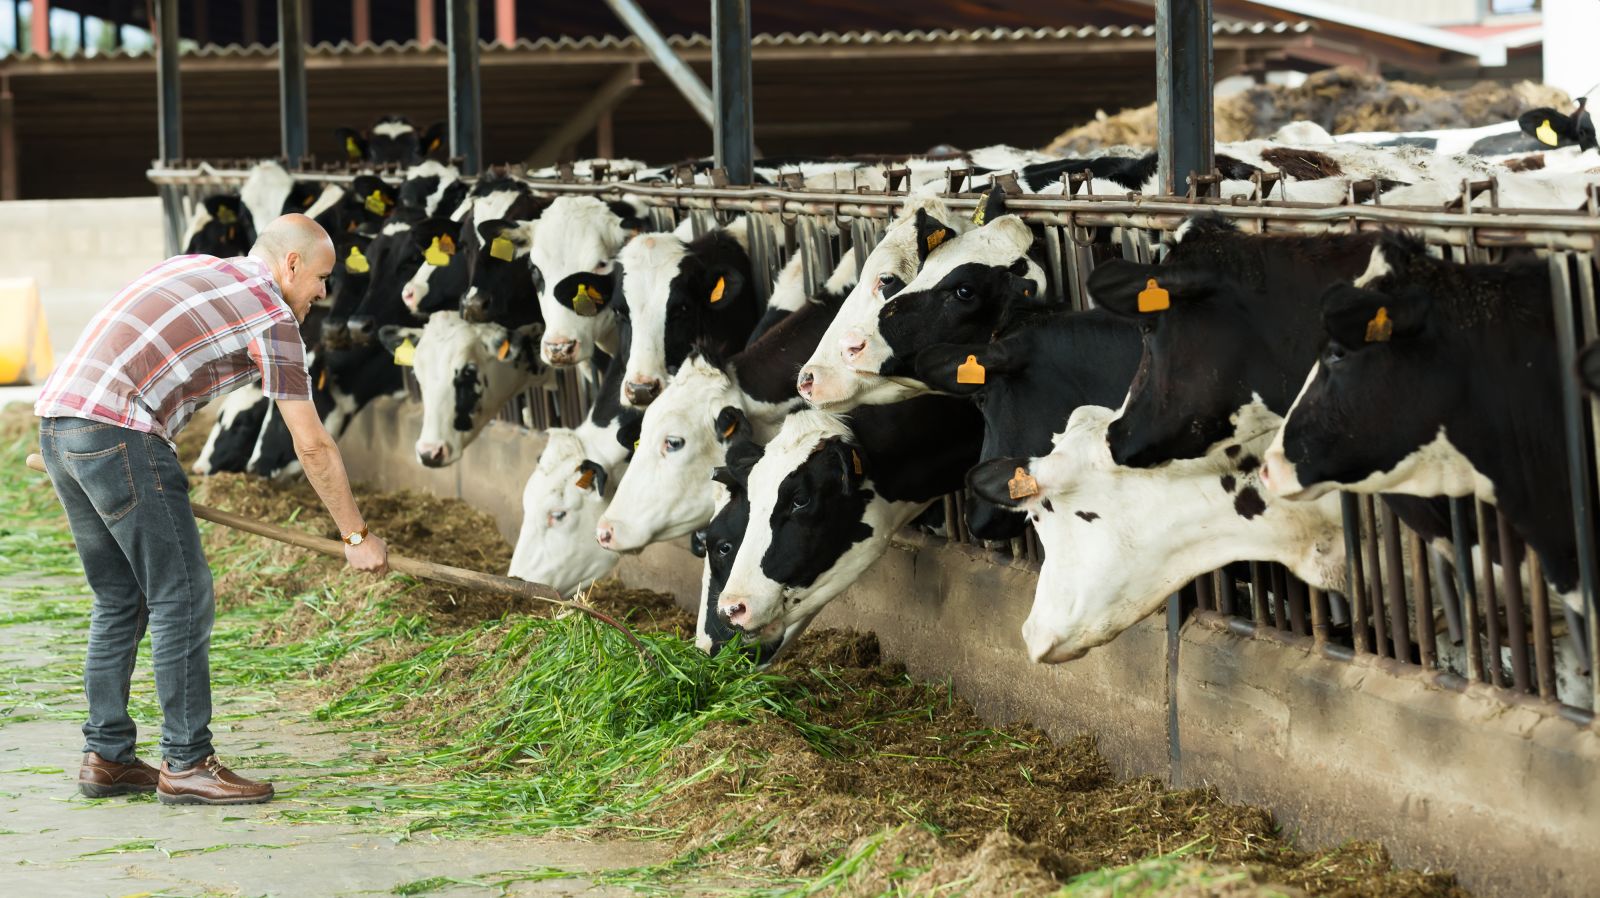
[99, 778]
[208, 782]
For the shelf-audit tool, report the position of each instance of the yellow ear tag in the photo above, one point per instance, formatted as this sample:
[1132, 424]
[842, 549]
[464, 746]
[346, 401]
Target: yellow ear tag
[355, 263]
[377, 204]
[1154, 298]
[225, 215]
[1546, 134]
[435, 255]
[502, 249]
[936, 238]
[716, 292]
[322, 379]
[1022, 485]
[636, 445]
[586, 479]
[352, 149]
[970, 372]
[1380, 328]
[855, 461]
[405, 353]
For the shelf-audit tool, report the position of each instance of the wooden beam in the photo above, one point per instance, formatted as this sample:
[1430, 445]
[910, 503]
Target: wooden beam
[425, 32]
[361, 20]
[581, 122]
[39, 29]
[505, 21]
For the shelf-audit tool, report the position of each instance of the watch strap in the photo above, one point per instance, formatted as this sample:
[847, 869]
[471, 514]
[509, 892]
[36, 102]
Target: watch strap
[362, 533]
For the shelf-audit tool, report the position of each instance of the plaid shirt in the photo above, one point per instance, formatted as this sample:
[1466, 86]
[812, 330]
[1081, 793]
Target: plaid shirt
[186, 331]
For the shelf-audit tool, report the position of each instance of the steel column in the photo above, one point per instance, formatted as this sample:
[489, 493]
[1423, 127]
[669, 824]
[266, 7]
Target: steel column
[677, 71]
[169, 109]
[730, 74]
[292, 80]
[466, 114]
[505, 22]
[1185, 136]
[39, 28]
[425, 22]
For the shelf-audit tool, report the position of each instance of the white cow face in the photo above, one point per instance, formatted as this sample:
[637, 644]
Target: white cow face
[575, 243]
[666, 492]
[466, 371]
[561, 504]
[1119, 540]
[838, 376]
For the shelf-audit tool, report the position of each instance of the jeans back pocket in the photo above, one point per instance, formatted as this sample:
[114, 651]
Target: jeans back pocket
[107, 479]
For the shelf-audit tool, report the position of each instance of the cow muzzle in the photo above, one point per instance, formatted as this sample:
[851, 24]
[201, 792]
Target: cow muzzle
[561, 353]
[433, 455]
[361, 329]
[335, 333]
[641, 391]
[475, 308]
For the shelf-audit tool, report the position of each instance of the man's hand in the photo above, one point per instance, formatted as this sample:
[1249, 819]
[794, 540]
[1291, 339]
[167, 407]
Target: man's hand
[372, 556]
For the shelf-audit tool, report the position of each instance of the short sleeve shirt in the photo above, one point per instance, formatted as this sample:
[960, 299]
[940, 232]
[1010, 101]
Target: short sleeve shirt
[186, 331]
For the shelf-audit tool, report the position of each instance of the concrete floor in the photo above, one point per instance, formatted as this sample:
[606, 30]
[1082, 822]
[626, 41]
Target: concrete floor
[57, 843]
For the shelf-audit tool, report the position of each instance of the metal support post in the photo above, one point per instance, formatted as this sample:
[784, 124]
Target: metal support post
[170, 111]
[466, 116]
[730, 73]
[1185, 136]
[677, 71]
[292, 80]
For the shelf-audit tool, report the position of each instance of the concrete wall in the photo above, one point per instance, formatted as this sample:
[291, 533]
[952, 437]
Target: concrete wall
[1505, 794]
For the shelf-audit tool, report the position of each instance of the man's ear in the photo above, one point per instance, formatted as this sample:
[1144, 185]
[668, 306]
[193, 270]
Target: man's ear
[962, 369]
[732, 425]
[724, 288]
[392, 335]
[1117, 285]
[351, 143]
[432, 139]
[1354, 316]
[592, 476]
[931, 234]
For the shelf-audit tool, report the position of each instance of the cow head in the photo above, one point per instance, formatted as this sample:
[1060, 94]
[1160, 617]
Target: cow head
[682, 439]
[449, 253]
[388, 261]
[574, 260]
[561, 504]
[1118, 541]
[466, 372]
[221, 227]
[1371, 417]
[391, 139]
[840, 374]
[233, 436]
[1559, 129]
[503, 288]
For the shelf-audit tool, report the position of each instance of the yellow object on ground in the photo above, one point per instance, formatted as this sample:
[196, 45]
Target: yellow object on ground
[25, 356]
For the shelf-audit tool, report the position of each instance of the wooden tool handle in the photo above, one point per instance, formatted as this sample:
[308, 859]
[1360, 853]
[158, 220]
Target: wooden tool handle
[415, 567]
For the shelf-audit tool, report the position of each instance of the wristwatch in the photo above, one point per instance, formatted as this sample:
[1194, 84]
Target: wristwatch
[355, 537]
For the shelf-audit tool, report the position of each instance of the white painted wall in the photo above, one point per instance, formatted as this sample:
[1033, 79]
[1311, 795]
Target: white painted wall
[1570, 30]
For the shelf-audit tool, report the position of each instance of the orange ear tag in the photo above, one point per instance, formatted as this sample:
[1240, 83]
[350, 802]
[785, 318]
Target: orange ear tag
[322, 379]
[970, 372]
[502, 249]
[586, 479]
[586, 302]
[936, 238]
[308, 202]
[855, 461]
[505, 350]
[732, 426]
[716, 292]
[1154, 297]
[1022, 485]
[1380, 328]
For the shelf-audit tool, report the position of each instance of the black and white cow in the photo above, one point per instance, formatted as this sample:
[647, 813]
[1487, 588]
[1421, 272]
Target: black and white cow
[221, 227]
[466, 371]
[273, 456]
[1438, 379]
[679, 293]
[1118, 541]
[499, 227]
[391, 138]
[233, 435]
[684, 435]
[824, 499]
[572, 250]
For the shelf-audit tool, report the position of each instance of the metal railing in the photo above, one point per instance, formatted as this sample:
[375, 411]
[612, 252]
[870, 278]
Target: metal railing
[1471, 613]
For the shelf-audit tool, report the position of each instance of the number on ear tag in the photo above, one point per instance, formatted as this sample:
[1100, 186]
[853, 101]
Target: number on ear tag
[352, 149]
[936, 238]
[586, 479]
[1022, 485]
[1546, 134]
[356, 263]
[377, 203]
[505, 350]
[716, 292]
[502, 249]
[1154, 297]
[405, 353]
[436, 255]
[971, 371]
[1380, 328]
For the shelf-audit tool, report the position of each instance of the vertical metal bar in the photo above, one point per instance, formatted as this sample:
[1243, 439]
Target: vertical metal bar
[1280, 589]
[1297, 603]
[39, 26]
[1511, 586]
[1185, 141]
[1491, 612]
[168, 101]
[1449, 599]
[1399, 630]
[8, 141]
[1222, 585]
[292, 80]
[1203, 593]
[730, 78]
[1350, 508]
[1465, 586]
[1543, 647]
[466, 115]
[1369, 543]
[605, 136]
[1052, 251]
[1579, 484]
[1258, 594]
[1319, 618]
[1174, 642]
[249, 12]
[1427, 649]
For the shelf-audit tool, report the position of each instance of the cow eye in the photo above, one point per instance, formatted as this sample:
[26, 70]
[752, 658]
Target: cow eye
[1333, 354]
[1147, 326]
[538, 278]
[964, 292]
[800, 502]
[672, 444]
[557, 517]
[889, 285]
[723, 548]
[603, 267]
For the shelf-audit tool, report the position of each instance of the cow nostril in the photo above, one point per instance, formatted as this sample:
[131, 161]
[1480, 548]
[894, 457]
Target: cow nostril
[736, 613]
[604, 535]
[807, 381]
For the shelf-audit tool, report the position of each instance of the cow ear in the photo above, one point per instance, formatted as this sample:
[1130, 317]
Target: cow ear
[374, 195]
[392, 335]
[1589, 367]
[432, 139]
[628, 432]
[1023, 288]
[962, 369]
[351, 143]
[697, 539]
[1130, 289]
[591, 476]
[1006, 482]
[226, 208]
[848, 463]
[1355, 316]
[732, 425]
[633, 219]
[724, 287]
[502, 238]
[992, 206]
[741, 457]
[1549, 127]
[931, 233]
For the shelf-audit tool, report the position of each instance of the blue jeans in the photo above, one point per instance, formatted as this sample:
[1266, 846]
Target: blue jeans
[127, 500]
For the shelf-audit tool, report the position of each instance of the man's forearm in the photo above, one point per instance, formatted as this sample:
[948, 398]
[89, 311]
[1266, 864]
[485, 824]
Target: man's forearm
[324, 467]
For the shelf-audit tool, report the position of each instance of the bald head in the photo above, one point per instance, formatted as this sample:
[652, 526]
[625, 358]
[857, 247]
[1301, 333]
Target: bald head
[300, 255]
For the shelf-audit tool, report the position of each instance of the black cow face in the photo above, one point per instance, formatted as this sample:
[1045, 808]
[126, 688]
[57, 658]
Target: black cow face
[347, 286]
[818, 515]
[503, 287]
[993, 374]
[391, 260]
[723, 537]
[965, 305]
[230, 232]
[452, 250]
[373, 201]
[392, 139]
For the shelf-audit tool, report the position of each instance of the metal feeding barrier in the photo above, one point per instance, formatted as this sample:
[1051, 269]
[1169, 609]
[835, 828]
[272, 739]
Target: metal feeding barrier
[1473, 609]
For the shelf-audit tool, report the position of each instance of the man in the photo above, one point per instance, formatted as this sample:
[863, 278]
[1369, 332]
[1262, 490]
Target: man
[188, 330]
